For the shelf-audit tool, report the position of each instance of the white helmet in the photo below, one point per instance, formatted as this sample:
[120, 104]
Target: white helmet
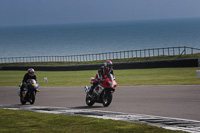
[31, 71]
[108, 65]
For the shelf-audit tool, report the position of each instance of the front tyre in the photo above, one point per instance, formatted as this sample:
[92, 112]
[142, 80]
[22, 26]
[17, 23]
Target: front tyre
[107, 98]
[32, 98]
[89, 100]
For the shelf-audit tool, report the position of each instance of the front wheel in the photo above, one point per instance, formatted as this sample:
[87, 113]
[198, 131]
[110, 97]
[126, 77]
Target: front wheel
[89, 101]
[32, 98]
[107, 98]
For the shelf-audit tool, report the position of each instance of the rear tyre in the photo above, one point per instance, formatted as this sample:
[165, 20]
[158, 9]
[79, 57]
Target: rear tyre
[89, 101]
[22, 100]
[107, 98]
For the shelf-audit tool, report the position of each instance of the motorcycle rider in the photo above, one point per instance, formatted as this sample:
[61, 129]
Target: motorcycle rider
[101, 75]
[29, 75]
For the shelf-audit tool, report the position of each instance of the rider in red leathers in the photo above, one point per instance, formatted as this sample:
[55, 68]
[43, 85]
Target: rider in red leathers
[101, 75]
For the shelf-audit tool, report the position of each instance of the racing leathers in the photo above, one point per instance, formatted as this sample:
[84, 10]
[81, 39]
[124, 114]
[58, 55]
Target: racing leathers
[24, 81]
[100, 76]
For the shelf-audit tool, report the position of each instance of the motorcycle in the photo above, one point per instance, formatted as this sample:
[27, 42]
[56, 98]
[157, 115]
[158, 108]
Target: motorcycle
[103, 92]
[29, 92]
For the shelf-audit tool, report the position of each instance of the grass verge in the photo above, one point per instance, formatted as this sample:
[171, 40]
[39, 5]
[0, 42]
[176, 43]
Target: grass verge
[24, 121]
[157, 76]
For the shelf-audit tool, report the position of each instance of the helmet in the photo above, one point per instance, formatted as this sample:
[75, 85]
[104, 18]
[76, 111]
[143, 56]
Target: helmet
[108, 65]
[31, 71]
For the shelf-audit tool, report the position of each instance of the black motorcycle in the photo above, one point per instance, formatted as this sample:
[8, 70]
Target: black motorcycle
[29, 92]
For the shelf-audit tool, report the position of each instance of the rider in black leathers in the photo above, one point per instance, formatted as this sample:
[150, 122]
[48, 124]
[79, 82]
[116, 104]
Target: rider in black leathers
[29, 75]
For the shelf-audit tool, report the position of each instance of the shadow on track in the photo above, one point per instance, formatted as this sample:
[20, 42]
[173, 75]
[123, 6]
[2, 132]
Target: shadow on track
[14, 106]
[85, 107]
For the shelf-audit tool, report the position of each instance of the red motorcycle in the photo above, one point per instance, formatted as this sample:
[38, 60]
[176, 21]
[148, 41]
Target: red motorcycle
[103, 92]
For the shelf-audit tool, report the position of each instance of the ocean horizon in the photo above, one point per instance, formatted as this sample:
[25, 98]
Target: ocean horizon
[76, 39]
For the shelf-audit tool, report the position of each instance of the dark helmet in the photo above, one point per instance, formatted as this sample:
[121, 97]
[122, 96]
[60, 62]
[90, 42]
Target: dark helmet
[108, 65]
[31, 71]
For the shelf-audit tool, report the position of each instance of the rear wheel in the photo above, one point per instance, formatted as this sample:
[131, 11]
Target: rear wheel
[89, 100]
[22, 100]
[107, 98]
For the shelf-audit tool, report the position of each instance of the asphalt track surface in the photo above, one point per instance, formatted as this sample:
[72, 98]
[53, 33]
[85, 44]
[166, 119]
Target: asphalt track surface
[178, 101]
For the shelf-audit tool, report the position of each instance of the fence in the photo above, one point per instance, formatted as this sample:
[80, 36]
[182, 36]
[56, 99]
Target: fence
[169, 51]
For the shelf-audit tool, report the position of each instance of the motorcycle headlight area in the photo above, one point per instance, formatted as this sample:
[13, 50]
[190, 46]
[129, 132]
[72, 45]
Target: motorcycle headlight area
[35, 86]
[111, 84]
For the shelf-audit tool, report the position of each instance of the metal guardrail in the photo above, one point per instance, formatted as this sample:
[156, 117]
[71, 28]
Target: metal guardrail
[169, 51]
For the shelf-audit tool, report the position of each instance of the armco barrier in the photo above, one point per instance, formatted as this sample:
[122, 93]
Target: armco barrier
[154, 52]
[117, 66]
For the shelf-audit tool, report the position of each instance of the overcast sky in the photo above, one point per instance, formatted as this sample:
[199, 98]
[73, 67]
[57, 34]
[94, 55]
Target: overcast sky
[34, 12]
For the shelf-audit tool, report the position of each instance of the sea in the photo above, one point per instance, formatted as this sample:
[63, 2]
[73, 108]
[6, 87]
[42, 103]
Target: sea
[91, 38]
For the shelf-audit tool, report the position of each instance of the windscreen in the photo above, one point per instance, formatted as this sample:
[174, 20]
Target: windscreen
[110, 76]
[32, 81]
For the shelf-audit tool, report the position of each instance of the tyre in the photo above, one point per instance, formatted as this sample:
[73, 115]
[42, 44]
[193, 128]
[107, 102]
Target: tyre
[89, 101]
[107, 98]
[32, 98]
[23, 102]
